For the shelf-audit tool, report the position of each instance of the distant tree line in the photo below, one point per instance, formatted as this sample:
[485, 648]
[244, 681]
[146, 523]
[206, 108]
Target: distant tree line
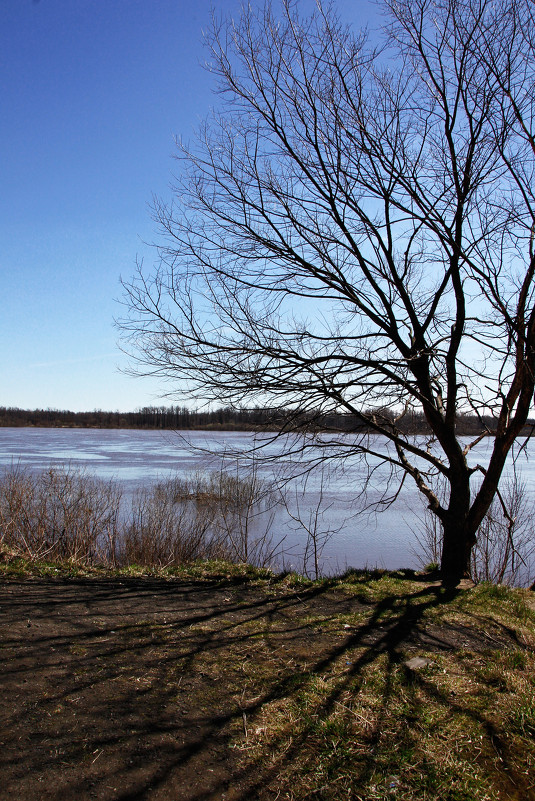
[149, 417]
[230, 419]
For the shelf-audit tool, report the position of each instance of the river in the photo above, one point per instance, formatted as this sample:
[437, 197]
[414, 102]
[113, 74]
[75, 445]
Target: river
[328, 498]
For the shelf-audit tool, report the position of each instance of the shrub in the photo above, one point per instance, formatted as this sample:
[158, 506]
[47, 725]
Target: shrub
[64, 514]
[59, 514]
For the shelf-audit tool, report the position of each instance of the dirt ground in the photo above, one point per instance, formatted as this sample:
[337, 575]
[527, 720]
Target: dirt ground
[145, 688]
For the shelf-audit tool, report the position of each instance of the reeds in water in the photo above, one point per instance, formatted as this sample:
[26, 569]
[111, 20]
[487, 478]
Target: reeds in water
[65, 514]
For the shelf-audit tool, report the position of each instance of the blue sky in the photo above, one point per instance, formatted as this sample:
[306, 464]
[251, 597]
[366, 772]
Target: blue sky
[92, 95]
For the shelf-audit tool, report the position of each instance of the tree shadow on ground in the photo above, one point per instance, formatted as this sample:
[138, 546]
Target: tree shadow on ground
[134, 689]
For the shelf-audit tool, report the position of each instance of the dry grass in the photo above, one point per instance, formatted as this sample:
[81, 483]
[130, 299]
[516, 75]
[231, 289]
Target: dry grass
[66, 515]
[59, 515]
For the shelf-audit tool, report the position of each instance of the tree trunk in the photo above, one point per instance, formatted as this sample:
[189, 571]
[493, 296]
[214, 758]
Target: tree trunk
[457, 544]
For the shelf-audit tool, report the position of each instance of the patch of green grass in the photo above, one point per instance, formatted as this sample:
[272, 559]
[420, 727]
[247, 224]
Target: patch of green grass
[15, 565]
[500, 600]
[522, 716]
[379, 735]
[21, 567]
[460, 729]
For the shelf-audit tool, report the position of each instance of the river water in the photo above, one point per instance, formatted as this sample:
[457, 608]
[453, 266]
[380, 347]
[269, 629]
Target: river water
[330, 499]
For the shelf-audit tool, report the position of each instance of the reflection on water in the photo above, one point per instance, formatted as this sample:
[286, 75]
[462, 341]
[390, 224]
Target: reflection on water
[135, 458]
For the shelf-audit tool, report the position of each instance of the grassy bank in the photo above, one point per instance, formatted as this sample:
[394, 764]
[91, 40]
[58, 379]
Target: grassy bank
[369, 686]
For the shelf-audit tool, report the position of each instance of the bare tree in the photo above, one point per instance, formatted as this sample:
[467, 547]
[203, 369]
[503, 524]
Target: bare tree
[354, 231]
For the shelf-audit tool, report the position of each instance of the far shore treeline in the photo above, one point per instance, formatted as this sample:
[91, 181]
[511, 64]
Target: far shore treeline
[226, 419]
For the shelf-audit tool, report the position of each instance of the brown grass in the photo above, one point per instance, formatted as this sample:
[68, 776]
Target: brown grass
[64, 514]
